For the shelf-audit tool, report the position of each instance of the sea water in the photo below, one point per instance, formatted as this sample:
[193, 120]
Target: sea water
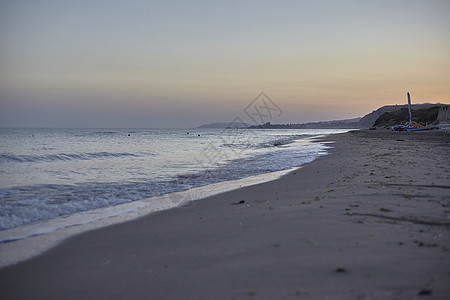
[53, 175]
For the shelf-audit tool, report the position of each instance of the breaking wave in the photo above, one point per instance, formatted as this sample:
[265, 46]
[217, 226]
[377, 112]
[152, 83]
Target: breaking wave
[8, 157]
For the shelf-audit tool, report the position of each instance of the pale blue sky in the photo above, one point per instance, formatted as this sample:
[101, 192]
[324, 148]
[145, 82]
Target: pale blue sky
[183, 63]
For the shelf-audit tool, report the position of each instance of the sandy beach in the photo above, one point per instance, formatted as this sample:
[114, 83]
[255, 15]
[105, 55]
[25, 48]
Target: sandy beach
[369, 221]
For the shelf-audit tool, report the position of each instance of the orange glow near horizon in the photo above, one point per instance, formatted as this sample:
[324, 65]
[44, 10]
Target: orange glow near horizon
[172, 64]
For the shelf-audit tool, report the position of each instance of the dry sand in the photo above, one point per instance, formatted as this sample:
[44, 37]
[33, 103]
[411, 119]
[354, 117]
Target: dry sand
[369, 221]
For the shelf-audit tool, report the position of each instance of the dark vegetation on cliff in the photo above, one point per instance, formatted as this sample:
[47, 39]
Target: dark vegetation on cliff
[422, 116]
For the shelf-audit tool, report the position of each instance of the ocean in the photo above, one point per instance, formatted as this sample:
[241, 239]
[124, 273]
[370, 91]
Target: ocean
[52, 174]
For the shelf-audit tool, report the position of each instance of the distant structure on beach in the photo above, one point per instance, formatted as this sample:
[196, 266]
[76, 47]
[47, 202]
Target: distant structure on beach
[443, 114]
[335, 124]
[444, 118]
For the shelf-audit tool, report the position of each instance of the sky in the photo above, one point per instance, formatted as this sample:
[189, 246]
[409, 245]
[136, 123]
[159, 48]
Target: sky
[108, 63]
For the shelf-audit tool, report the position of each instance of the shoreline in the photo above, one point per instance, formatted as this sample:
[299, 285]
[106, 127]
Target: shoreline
[28, 241]
[369, 221]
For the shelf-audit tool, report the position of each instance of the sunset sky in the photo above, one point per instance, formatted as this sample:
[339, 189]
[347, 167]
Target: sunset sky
[107, 63]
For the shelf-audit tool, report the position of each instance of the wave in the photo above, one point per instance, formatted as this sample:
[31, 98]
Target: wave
[247, 143]
[8, 157]
[278, 142]
[102, 133]
[29, 204]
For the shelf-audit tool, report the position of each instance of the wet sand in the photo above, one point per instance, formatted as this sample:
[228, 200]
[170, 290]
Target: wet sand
[369, 221]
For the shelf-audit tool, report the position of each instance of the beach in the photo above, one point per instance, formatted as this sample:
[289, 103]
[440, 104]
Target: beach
[371, 220]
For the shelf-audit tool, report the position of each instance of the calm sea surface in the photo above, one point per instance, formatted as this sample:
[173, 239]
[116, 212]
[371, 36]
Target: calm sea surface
[48, 173]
